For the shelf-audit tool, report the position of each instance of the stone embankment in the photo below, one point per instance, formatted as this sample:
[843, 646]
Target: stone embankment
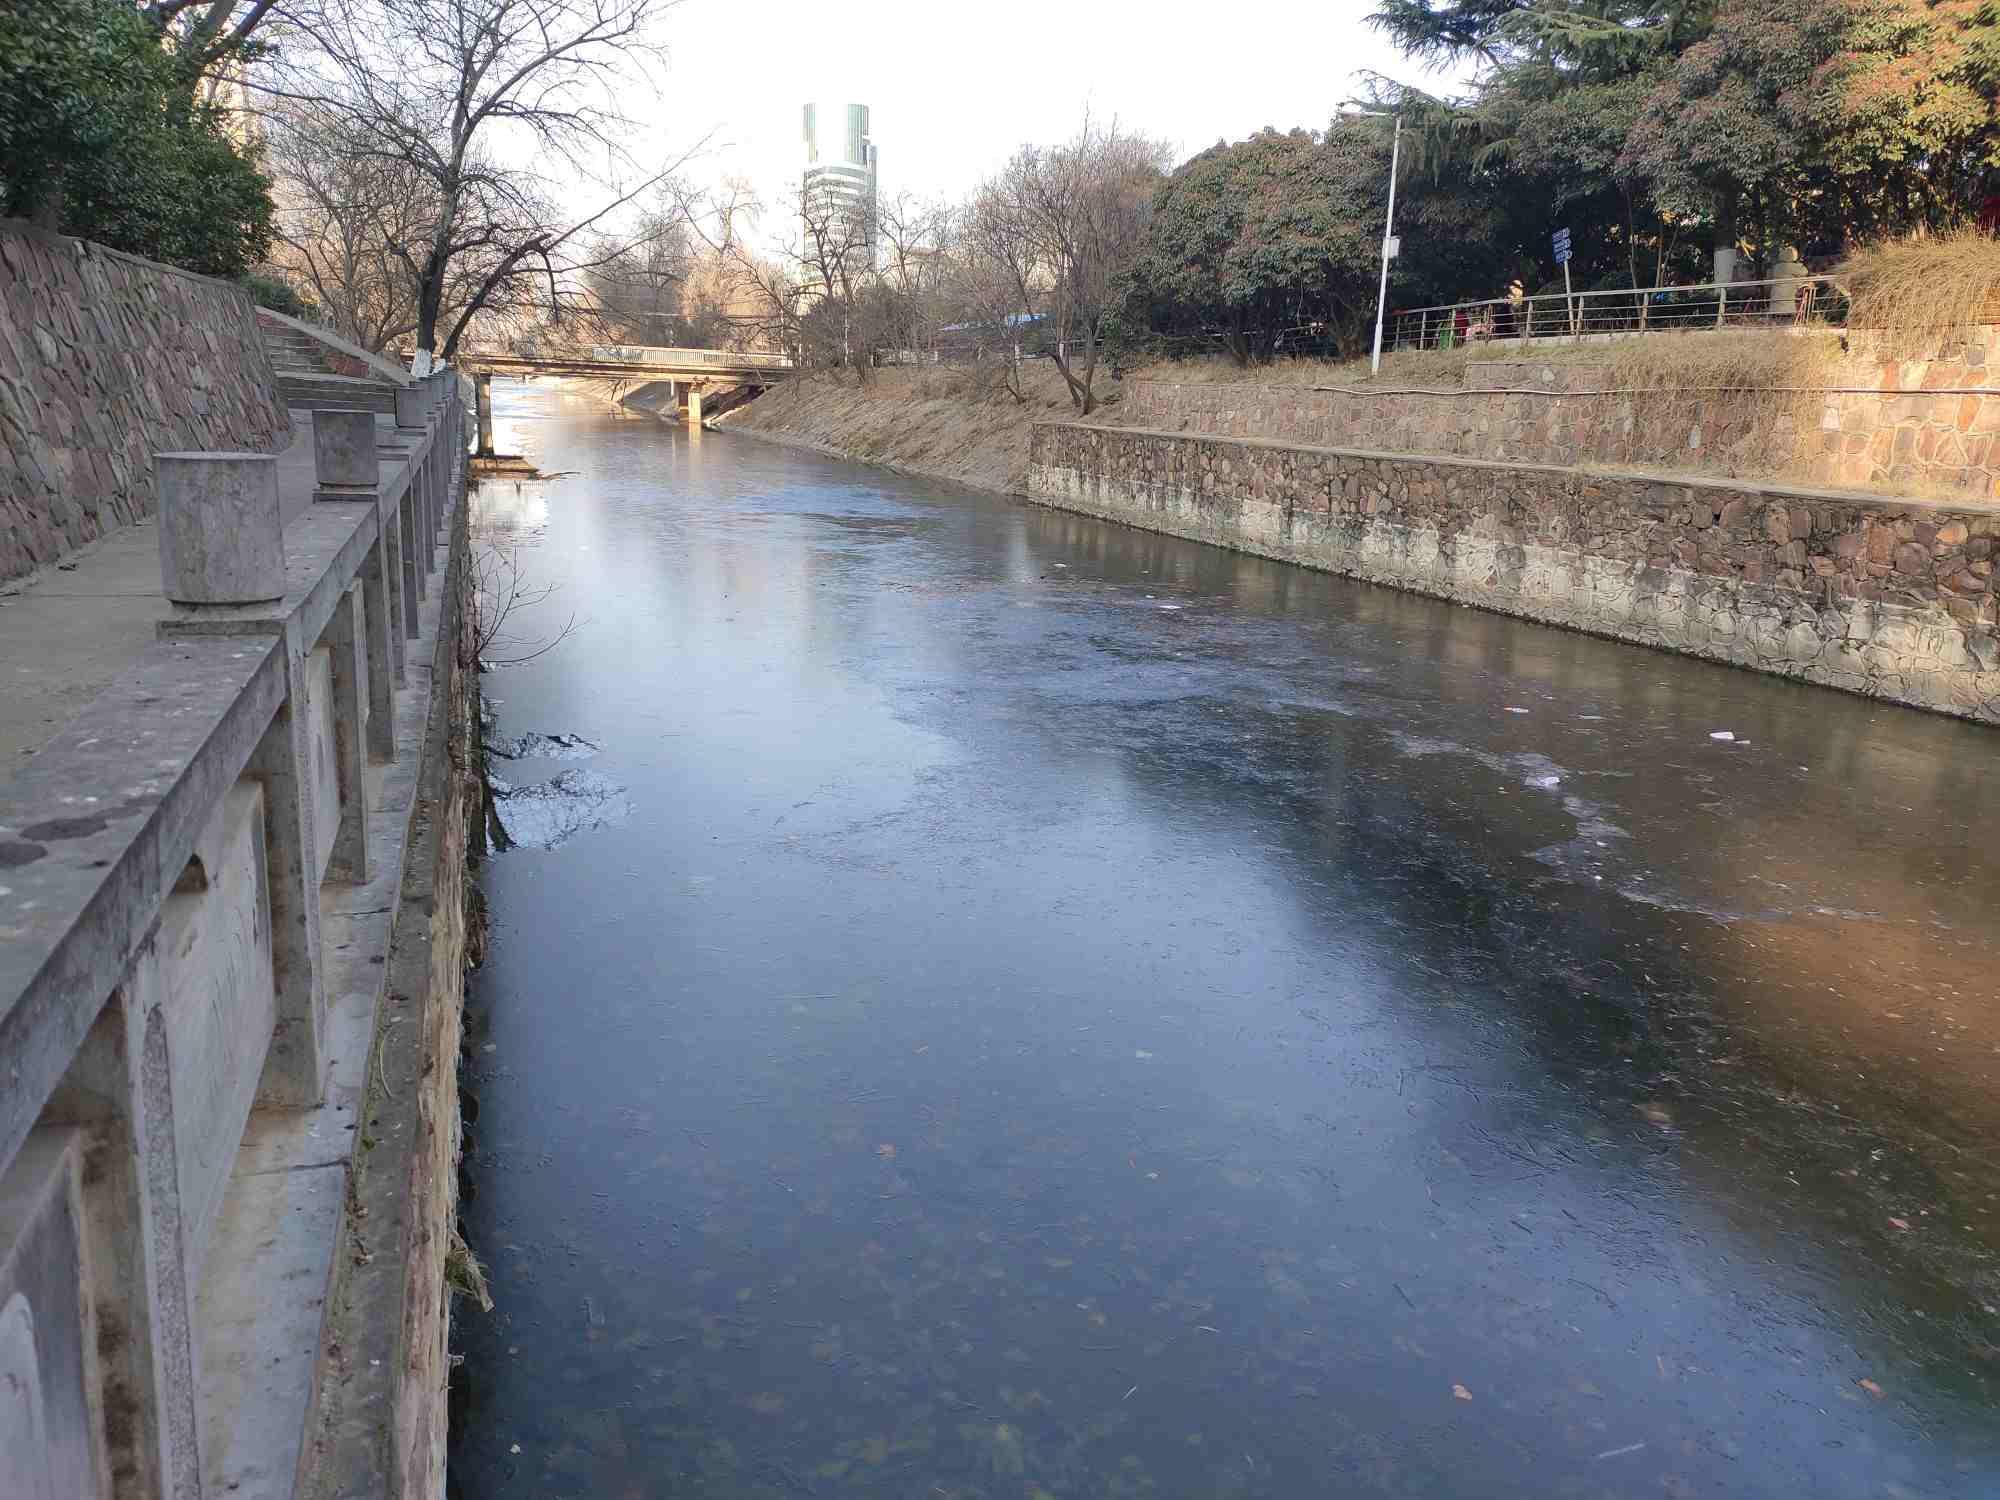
[1892, 599]
[1521, 491]
[1854, 420]
[106, 359]
[239, 795]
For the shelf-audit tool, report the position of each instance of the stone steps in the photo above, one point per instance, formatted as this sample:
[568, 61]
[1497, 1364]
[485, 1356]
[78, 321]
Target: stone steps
[309, 389]
[291, 352]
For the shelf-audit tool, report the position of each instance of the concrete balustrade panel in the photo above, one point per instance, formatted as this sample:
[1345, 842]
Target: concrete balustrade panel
[83, 889]
[25, 1462]
[322, 749]
[294, 793]
[49, 1444]
[403, 501]
[421, 506]
[118, 1090]
[389, 559]
[346, 643]
[412, 571]
[384, 643]
[220, 1007]
[222, 537]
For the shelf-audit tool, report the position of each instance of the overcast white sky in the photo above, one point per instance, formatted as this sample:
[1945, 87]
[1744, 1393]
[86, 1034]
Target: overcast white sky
[953, 87]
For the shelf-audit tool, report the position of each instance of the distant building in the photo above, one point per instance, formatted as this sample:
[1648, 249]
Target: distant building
[837, 198]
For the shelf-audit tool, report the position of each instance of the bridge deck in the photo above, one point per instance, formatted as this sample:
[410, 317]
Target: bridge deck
[619, 362]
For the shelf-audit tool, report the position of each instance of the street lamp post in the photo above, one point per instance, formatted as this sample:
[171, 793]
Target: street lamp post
[1389, 245]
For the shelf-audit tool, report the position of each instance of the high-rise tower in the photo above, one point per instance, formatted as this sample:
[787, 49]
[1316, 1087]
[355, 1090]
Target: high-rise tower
[837, 200]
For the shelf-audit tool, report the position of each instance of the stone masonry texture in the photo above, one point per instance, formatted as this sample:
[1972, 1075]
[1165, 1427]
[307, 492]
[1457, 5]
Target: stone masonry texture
[106, 359]
[1930, 426]
[1890, 598]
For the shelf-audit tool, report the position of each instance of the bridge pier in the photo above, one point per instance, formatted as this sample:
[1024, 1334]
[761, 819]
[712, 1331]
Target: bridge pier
[694, 407]
[482, 386]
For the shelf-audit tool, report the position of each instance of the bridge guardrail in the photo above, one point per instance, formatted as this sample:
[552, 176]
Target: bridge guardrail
[648, 354]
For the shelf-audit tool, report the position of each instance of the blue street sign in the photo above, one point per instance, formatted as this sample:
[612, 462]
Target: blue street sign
[1561, 240]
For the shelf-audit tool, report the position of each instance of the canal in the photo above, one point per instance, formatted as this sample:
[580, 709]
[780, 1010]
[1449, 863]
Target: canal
[985, 1003]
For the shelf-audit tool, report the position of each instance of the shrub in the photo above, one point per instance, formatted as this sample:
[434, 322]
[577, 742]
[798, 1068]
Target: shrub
[278, 294]
[102, 135]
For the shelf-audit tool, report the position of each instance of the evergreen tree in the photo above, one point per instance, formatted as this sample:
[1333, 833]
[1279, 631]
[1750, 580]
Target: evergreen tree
[104, 135]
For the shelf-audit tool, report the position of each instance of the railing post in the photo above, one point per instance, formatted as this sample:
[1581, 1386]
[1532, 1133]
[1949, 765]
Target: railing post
[295, 1067]
[118, 1093]
[346, 640]
[381, 602]
[222, 535]
[482, 395]
[345, 463]
[433, 425]
[412, 427]
[348, 457]
[433, 487]
[221, 542]
[349, 468]
[441, 449]
[398, 516]
[454, 448]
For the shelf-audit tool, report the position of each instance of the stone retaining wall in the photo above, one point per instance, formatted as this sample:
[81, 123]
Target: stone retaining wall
[1924, 425]
[1892, 599]
[106, 359]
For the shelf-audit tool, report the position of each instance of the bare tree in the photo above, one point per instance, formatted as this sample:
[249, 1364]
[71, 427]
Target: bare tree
[1064, 221]
[833, 265]
[809, 297]
[919, 247]
[639, 286]
[206, 33]
[342, 213]
[453, 92]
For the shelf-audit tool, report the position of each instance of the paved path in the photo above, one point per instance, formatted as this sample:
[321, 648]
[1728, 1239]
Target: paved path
[72, 628]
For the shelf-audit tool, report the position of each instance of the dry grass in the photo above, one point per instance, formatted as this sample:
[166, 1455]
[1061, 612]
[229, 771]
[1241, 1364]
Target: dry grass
[1426, 368]
[1769, 361]
[1703, 360]
[957, 423]
[1918, 293]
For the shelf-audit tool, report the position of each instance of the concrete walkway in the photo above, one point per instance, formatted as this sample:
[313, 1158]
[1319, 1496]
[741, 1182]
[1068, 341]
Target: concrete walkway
[67, 631]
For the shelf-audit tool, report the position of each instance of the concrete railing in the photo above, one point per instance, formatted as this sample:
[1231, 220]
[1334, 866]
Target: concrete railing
[161, 970]
[655, 354]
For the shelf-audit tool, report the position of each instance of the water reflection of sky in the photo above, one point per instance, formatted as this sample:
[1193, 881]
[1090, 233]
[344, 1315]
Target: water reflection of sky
[1075, 1013]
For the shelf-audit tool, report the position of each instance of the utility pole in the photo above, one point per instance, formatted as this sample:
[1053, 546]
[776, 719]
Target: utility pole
[1390, 245]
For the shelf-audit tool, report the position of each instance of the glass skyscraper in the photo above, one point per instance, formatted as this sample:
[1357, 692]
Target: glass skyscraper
[837, 203]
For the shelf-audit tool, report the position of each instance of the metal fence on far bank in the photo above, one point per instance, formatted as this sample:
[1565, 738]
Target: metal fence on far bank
[1783, 302]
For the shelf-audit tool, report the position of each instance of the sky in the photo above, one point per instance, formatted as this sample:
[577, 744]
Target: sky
[953, 88]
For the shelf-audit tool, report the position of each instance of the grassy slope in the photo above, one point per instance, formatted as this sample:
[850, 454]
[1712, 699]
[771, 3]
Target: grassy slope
[1752, 359]
[946, 423]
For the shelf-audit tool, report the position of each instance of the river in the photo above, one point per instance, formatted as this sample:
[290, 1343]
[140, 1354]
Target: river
[987, 1003]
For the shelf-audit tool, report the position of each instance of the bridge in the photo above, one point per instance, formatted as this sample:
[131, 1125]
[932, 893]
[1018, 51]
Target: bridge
[691, 372]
